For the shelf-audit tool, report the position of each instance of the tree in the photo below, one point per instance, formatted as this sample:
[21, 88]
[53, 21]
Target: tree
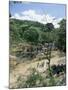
[48, 27]
[49, 36]
[31, 35]
[62, 35]
[23, 28]
[14, 33]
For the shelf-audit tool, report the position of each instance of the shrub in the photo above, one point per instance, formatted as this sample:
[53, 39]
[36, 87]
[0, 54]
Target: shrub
[35, 79]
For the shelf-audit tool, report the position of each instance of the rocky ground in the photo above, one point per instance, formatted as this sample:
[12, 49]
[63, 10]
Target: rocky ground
[23, 69]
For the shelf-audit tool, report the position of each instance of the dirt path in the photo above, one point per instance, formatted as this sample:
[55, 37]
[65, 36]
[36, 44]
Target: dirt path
[24, 68]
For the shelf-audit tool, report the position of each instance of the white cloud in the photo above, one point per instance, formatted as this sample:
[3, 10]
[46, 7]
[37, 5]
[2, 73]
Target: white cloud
[34, 16]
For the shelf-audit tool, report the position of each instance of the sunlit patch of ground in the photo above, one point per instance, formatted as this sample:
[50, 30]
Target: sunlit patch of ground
[24, 68]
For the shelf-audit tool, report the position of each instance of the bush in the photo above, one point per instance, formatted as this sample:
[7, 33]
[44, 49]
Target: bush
[35, 79]
[31, 35]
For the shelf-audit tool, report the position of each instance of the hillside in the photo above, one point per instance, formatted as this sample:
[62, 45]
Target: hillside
[37, 54]
[19, 27]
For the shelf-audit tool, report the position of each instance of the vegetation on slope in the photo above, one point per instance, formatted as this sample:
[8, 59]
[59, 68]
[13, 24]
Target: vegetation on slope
[35, 32]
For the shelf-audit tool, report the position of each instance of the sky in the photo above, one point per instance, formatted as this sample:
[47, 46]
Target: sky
[41, 12]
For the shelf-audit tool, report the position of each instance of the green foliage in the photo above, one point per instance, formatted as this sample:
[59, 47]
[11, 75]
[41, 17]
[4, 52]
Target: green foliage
[61, 43]
[23, 30]
[48, 27]
[52, 81]
[19, 28]
[34, 79]
[31, 35]
[14, 34]
[34, 32]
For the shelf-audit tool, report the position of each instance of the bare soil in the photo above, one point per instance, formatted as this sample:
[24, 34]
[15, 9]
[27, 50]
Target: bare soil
[24, 68]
